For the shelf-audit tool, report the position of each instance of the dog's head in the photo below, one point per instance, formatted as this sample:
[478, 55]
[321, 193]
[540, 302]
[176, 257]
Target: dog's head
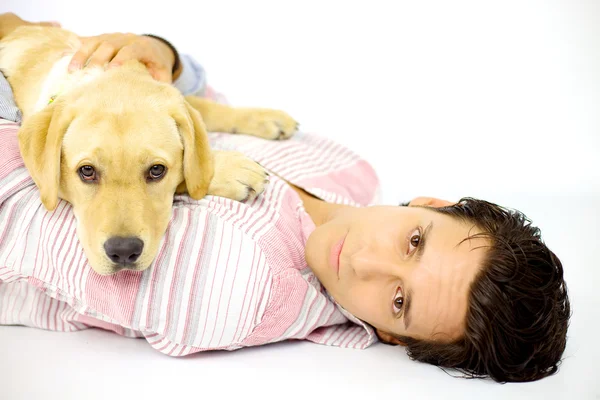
[117, 149]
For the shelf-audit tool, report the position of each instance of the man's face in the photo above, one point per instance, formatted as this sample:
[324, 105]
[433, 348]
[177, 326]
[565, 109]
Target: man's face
[404, 270]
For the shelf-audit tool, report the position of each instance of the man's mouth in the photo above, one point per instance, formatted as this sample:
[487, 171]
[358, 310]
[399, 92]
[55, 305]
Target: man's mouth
[334, 255]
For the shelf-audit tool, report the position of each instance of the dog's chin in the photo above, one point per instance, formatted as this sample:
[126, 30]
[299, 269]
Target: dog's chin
[113, 269]
[102, 265]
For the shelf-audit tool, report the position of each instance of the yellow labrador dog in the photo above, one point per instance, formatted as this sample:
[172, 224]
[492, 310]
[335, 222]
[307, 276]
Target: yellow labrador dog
[118, 144]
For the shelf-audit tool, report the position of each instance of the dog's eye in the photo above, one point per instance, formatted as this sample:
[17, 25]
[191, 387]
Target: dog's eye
[87, 173]
[156, 172]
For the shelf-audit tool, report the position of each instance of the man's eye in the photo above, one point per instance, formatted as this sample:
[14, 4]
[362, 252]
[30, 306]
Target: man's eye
[414, 241]
[398, 301]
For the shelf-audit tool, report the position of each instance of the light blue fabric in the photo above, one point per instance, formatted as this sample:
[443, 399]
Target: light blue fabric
[192, 80]
[8, 108]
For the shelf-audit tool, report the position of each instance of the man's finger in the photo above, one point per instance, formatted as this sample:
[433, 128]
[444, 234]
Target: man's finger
[125, 54]
[144, 56]
[80, 58]
[161, 74]
[103, 55]
[156, 67]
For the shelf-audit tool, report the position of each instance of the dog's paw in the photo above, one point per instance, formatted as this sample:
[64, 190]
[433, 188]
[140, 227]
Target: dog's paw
[265, 123]
[237, 177]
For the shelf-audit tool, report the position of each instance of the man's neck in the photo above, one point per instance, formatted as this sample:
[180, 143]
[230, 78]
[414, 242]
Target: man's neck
[319, 211]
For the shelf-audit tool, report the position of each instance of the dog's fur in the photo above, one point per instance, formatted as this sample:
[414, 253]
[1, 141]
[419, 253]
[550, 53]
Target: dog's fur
[122, 122]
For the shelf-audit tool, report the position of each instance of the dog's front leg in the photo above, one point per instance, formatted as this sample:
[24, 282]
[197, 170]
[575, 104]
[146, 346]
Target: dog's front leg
[236, 177]
[261, 122]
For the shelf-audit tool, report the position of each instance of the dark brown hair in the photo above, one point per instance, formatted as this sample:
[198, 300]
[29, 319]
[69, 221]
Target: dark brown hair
[518, 313]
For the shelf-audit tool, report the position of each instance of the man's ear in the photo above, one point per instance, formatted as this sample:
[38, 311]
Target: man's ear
[40, 142]
[430, 201]
[198, 164]
[388, 338]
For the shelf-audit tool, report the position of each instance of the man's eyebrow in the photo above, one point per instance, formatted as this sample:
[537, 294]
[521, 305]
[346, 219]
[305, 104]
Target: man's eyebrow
[418, 255]
[423, 242]
[407, 309]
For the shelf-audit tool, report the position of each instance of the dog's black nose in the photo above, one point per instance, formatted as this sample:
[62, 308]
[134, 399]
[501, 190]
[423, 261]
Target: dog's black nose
[123, 250]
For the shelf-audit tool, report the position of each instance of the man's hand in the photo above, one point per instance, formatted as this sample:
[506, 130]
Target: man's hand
[116, 48]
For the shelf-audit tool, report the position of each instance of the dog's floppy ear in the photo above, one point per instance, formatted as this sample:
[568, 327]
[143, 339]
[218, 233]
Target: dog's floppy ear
[40, 142]
[198, 165]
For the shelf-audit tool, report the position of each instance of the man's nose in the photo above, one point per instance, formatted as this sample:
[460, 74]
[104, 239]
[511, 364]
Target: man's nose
[371, 264]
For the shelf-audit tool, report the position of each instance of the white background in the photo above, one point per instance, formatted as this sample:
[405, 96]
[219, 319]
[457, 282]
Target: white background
[497, 100]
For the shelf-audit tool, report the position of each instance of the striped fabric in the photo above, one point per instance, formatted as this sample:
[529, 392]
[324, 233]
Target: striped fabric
[227, 274]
